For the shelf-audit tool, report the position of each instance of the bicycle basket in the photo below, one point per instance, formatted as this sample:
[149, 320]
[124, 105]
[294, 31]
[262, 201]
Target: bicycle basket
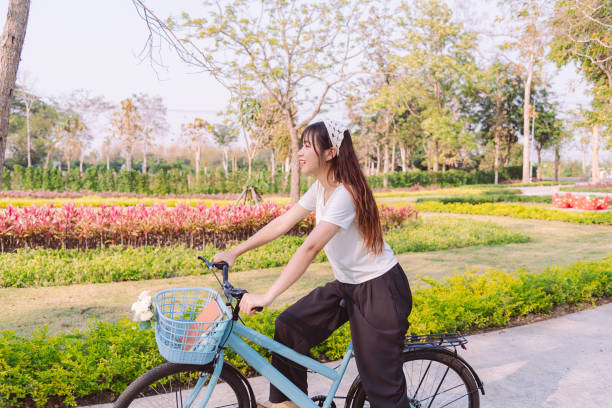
[190, 324]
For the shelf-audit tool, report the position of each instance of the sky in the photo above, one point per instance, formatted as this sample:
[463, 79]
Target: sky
[96, 45]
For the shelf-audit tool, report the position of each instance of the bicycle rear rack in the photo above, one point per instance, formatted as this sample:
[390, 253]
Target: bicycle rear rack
[444, 340]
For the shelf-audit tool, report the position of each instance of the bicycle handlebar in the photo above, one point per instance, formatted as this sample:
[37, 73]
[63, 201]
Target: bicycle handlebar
[228, 290]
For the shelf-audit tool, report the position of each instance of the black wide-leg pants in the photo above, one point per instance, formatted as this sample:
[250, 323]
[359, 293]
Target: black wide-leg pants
[377, 310]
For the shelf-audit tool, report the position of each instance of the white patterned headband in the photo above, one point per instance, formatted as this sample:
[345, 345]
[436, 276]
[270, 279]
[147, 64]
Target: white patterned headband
[335, 132]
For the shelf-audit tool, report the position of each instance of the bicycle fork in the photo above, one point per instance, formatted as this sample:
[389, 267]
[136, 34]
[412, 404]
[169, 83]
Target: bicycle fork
[212, 382]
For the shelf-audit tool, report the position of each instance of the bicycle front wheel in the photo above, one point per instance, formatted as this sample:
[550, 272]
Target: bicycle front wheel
[172, 385]
[434, 379]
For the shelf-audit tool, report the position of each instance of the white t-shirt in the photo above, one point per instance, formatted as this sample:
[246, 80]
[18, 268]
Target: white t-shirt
[350, 260]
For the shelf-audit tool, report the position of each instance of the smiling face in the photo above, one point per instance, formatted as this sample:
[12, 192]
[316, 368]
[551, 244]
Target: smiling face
[311, 161]
[308, 157]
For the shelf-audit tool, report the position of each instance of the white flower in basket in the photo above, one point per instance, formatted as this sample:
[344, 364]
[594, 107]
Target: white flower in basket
[143, 310]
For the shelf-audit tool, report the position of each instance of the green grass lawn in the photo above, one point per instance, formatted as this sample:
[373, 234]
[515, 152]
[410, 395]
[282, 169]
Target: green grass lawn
[65, 307]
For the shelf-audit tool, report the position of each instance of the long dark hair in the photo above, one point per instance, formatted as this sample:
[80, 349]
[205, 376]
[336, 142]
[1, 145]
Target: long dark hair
[346, 170]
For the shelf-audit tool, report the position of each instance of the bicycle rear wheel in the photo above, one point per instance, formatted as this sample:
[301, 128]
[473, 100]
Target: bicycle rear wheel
[434, 379]
[171, 385]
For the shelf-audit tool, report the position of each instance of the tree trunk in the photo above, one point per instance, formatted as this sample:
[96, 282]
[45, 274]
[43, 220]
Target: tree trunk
[583, 148]
[272, 164]
[197, 162]
[377, 159]
[595, 176]
[436, 149]
[47, 158]
[403, 155]
[29, 140]
[144, 160]
[11, 44]
[557, 162]
[539, 173]
[496, 164]
[234, 162]
[386, 167]
[128, 160]
[225, 161]
[526, 113]
[81, 163]
[107, 161]
[393, 157]
[294, 189]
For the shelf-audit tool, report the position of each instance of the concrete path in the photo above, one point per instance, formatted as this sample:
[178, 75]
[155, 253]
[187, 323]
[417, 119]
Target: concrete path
[552, 190]
[561, 362]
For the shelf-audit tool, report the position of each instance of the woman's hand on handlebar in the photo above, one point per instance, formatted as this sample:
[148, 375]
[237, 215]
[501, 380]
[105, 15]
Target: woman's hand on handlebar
[225, 257]
[251, 300]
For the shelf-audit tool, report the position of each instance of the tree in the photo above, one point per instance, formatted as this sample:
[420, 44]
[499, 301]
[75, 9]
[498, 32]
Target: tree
[73, 139]
[52, 141]
[11, 44]
[224, 135]
[439, 55]
[126, 124]
[547, 130]
[43, 116]
[269, 131]
[380, 60]
[89, 109]
[528, 34]
[26, 94]
[582, 34]
[494, 103]
[195, 133]
[153, 123]
[296, 51]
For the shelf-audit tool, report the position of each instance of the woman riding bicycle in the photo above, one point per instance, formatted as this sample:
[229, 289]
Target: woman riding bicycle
[375, 290]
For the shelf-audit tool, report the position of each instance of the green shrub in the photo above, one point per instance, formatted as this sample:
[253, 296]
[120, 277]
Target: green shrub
[588, 190]
[104, 359]
[489, 198]
[50, 267]
[517, 211]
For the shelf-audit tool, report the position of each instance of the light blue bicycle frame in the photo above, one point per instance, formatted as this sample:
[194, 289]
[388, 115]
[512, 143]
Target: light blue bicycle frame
[261, 365]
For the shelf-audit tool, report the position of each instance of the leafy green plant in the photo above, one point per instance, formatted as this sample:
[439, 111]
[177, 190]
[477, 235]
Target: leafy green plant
[488, 198]
[517, 211]
[102, 360]
[50, 267]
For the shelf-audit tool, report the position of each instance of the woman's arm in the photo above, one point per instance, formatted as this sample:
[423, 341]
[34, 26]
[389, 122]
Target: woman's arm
[296, 267]
[269, 232]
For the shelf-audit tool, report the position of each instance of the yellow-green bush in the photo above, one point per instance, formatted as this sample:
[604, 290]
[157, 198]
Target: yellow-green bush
[517, 211]
[105, 358]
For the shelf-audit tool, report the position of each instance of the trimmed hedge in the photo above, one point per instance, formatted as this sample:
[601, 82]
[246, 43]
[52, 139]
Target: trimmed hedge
[480, 199]
[104, 359]
[182, 180]
[587, 189]
[448, 178]
[50, 267]
[517, 211]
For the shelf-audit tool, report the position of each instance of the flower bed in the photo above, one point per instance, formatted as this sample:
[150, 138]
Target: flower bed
[589, 203]
[85, 227]
[50, 267]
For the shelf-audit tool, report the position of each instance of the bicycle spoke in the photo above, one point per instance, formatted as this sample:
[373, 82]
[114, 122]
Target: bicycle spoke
[436, 386]
[438, 389]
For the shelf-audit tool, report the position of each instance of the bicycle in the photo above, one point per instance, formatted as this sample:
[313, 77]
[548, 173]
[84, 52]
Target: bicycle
[196, 367]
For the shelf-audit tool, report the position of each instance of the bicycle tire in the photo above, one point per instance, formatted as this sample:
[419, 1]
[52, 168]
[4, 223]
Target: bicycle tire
[149, 390]
[439, 360]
